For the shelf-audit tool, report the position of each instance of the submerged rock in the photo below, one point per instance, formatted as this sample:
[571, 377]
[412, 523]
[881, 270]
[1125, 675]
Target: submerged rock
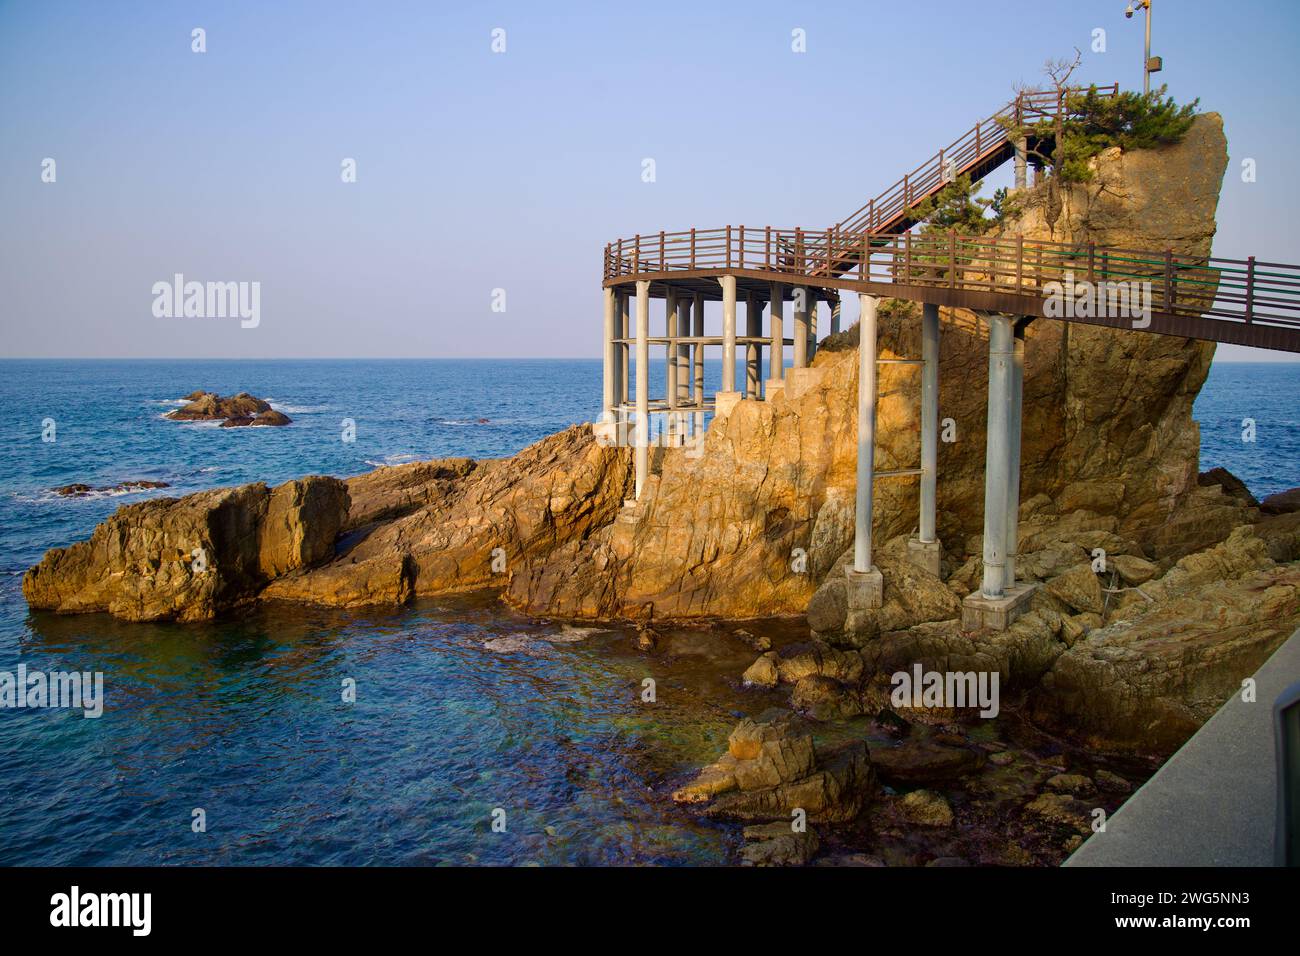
[778, 844]
[79, 490]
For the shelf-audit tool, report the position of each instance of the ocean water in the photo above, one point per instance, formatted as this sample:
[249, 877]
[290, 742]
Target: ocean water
[462, 708]
[1267, 457]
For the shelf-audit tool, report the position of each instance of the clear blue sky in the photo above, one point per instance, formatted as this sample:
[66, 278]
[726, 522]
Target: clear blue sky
[479, 171]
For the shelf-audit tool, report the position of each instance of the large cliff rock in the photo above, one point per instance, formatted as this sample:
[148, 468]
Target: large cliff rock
[1107, 428]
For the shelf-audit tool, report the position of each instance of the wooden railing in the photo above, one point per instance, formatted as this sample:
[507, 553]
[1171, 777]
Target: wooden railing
[1237, 290]
[888, 211]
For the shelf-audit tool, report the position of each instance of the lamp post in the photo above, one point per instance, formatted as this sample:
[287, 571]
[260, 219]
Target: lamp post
[1150, 64]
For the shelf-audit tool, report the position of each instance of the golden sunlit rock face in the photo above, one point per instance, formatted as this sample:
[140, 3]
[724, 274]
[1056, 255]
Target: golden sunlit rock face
[1107, 430]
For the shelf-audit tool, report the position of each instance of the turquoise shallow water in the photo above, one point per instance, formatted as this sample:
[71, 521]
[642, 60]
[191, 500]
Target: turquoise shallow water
[461, 707]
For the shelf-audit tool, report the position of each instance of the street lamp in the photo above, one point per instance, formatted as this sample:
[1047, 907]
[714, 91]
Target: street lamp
[1150, 64]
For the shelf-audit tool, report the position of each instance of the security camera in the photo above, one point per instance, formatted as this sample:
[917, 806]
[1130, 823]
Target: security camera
[1128, 12]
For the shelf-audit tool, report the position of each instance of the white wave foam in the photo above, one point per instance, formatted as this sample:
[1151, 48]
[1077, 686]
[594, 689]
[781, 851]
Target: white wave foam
[568, 634]
[298, 409]
[511, 645]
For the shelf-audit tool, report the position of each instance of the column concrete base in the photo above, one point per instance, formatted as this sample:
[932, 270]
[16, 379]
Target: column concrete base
[800, 380]
[606, 433]
[925, 554]
[995, 614]
[773, 387]
[724, 402]
[866, 589]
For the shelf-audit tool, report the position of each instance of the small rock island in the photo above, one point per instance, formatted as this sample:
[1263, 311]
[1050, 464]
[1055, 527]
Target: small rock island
[233, 412]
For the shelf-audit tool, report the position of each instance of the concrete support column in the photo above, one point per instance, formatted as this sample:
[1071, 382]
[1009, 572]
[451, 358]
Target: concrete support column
[642, 457]
[1022, 153]
[924, 550]
[776, 355]
[865, 586]
[812, 330]
[726, 399]
[835, 316]
[999, 601]
[683, 353]
[670, 366]
[997, 458]
[609, 377]
[1013, 456]
[753, 352]
[697, 386]
[929, 418]
[801, 326]
[625, 350]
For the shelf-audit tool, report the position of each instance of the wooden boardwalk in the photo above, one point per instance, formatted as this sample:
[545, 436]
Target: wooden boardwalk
[1248, 302]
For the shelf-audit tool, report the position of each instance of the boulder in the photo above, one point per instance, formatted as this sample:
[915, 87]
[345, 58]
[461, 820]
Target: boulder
[269, 417]
[1230, 484]
[923, 763]
[925, 808]
[777, 844]
[183, 559]
[1283, 502]
[771, 768]
[1078, 588]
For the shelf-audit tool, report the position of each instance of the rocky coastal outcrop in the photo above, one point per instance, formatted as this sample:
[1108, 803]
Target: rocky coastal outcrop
[380, 538]
[191, 558]
[233, 411]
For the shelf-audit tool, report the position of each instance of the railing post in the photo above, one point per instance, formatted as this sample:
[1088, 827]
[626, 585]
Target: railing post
[636, 260]
[728, 247]
[952, 255]
[798, 249]
[767, 248]
[863, 272]
[692, 248]
[871, 215]
[1092, 256]
[663, 265]
[1020, 263]
[978, 152]
[742, 246]
[1250, 287]
[907, 260]
[906, 204]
